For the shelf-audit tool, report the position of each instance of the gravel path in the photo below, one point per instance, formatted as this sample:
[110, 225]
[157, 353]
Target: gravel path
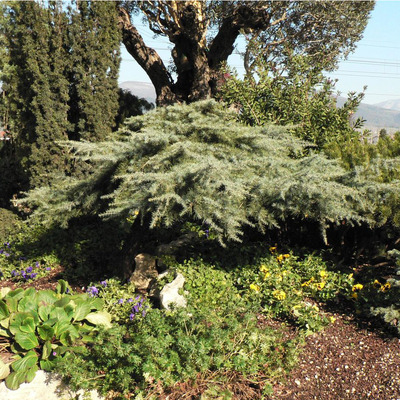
[345, 362]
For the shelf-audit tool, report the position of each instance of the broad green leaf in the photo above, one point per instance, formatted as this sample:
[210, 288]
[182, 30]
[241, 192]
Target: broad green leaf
[16, 294]
[70, 310]
[27, 304]
[46, 297]
[44, 312]
[46, 350]
[28, 361]
[87, 339]
[5, 323]
[16, 321]
[46, 332]
[4, 313]
[4, 370]
[14, 380]
[81, 311]
[99, 318]
[50, 322]
[62, 302]
[5, 333]
[59, 314]
[12, 304]
[26, 340]
[31, 373]
[97, 304]
[28, 325]
[31, 293]
[4, 291]
[63, 287]
[60, 327]
[47, 365]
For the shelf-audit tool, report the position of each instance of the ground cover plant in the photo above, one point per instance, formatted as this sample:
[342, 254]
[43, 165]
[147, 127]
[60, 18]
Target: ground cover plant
[41, 327]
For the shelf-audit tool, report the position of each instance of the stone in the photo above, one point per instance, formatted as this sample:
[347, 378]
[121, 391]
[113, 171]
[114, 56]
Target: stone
[169, 294]
[45, 386]
[145, 271]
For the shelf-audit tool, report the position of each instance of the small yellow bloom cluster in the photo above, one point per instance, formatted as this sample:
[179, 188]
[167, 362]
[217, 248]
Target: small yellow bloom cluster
[264, 269]
[255, 287]
[282, 257]
[356, 288]
[382, 288]
[279, 294]
[272, 249]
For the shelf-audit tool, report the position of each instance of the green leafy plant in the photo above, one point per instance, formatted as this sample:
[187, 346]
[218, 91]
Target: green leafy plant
[217, 332]
[42, 327]
[289, 287]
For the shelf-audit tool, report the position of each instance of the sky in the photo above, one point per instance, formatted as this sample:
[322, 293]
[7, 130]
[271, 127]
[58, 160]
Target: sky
[375, 62]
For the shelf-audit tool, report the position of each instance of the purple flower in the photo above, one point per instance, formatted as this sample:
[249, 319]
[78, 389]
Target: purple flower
[92, 291]
[23, 274]
[132, 316]
[34, 275]
[54, 353]
[48, 268]
[1, 251]
[22, 258]
[37, 264]
[120, 301]
[29, 269]
[103, 283]
[7, 254]
[130, 300]
[207, 233]
[14, 272]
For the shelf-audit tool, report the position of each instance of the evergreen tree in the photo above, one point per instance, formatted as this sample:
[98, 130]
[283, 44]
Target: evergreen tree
[94, 65]
[196, 163]
[60, 79]
[37, 91]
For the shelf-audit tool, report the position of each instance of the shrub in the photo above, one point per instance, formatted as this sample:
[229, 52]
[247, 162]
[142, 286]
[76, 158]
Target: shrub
[42, 327]
[195, 163]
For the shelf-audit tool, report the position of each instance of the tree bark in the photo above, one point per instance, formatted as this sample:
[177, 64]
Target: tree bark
[148, 59]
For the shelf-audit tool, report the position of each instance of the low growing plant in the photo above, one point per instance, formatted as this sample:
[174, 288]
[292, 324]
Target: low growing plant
[42, 327]
[289, 287]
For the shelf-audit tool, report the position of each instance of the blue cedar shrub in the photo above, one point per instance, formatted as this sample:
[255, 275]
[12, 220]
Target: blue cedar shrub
[196, 162]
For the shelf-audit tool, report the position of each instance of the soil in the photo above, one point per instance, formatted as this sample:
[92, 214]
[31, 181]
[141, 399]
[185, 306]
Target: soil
[350, 359]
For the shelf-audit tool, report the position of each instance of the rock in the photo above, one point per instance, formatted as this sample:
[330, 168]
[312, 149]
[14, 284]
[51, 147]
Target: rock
[45, 385]
[170, 293]
[145, 271]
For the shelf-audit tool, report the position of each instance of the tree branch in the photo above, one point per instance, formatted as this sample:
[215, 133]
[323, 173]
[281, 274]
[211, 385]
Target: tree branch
[147, 58]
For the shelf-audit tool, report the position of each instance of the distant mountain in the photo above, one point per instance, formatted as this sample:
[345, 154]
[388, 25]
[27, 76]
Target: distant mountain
[377, 117]
[389, 104]
[140, 89]
[382, 115]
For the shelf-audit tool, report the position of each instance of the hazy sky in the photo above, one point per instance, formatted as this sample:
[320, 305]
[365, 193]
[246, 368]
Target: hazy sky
[375, 63]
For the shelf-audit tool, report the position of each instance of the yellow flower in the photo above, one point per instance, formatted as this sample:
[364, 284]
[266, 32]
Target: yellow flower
[354, 295]
[279, 258]
[284, 272]
[136, 212]
[266, 276]
[386, 287]
[377, 284]
[323, 274]
[332, 319]
[320, 285]
[356, 287]
[286, 255]
[272, 249]
[279, 294]
[279, 278]
[255, 287]
[263, 268]
[351, 276]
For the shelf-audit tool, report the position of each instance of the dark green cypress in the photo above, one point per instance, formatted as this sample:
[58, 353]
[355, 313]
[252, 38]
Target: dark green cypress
[95, 58]
[38, 90]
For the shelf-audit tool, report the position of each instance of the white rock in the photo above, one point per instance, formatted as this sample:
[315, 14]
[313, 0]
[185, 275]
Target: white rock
[170, 293]
[45, 386]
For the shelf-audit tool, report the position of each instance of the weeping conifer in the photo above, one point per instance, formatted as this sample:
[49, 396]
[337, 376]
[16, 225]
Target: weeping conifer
[196, 163]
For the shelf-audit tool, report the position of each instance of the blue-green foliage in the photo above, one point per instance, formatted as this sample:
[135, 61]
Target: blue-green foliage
[195, 162]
